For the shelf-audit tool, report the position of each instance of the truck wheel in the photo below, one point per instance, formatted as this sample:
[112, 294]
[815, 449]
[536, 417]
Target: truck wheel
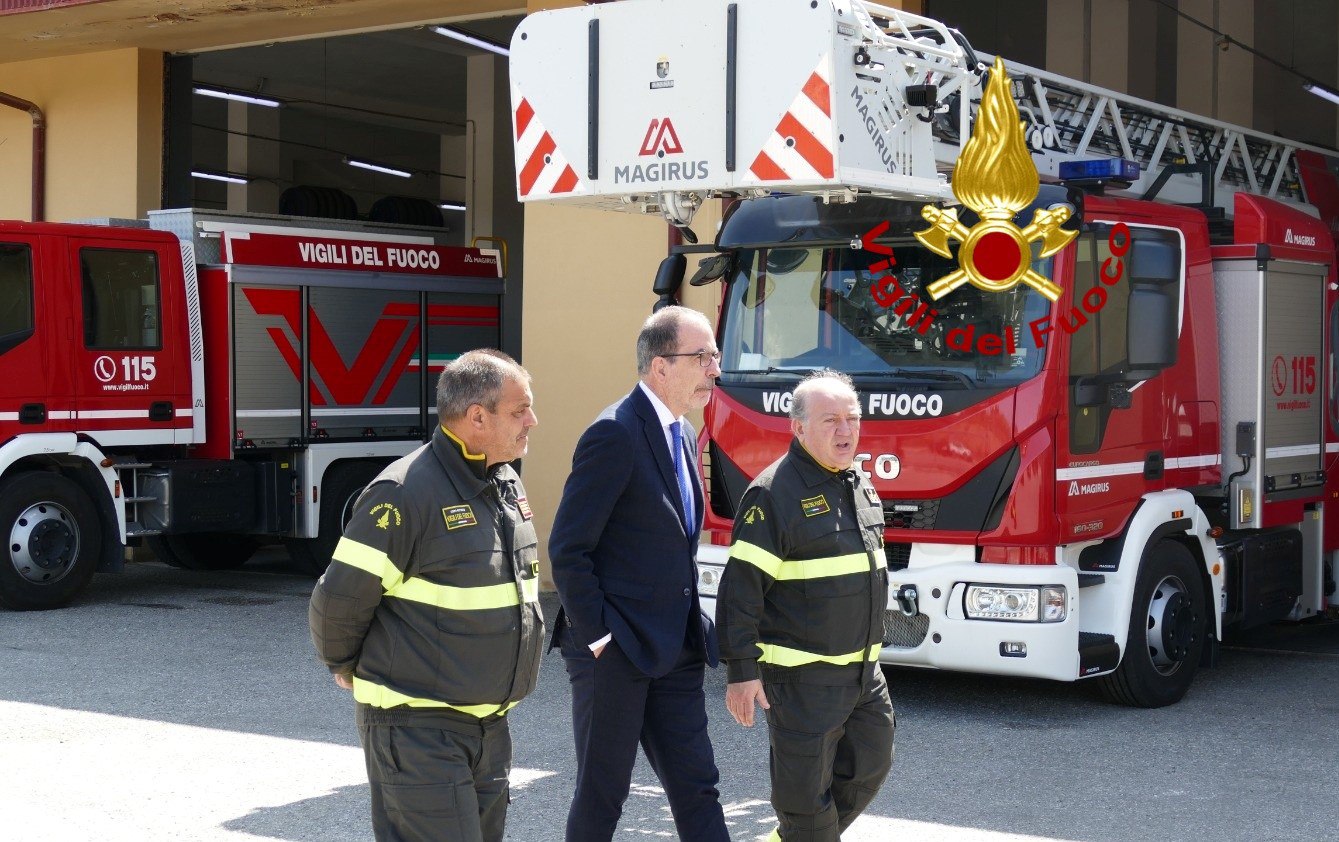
[204, 550]
[340, 489]
[1167, 632]
[53, 541]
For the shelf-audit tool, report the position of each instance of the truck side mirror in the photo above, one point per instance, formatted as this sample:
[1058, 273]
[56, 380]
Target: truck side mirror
[1151, 329]
[669, 277]
[1154, 262]
[710, 269]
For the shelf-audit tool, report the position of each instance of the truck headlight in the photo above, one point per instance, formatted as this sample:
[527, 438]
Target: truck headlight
[708, 579]
[1020, 605]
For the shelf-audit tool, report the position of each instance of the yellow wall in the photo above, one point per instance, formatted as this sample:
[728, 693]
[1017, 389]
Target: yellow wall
[104, 150]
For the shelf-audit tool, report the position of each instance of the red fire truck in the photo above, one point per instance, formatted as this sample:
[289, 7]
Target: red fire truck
[1095, 483]
[207, 382]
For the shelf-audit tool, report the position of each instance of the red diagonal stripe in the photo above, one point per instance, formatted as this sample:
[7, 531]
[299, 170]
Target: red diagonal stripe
[817, 91]
[766, 169]
[535, 165]
[523, 115]
[566, 181]
[806, 144]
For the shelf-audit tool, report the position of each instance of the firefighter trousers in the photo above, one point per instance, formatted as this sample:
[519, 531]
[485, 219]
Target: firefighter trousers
[438, 785]
[831, 749]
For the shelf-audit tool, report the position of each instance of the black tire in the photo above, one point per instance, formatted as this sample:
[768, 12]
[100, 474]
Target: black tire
[343, 482]
[204, 550]
[1167, 634]
[53, 541]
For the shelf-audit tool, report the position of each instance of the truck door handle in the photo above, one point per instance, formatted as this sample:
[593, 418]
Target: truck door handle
[1153, 465]
[32, 413]
[161, 411]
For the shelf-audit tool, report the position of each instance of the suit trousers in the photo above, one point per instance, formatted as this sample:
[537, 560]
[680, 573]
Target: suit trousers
[615, 706]
[831, 749]
[437, 785]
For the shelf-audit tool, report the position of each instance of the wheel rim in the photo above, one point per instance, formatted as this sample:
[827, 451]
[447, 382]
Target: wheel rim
[1172, 623]
[44, 542]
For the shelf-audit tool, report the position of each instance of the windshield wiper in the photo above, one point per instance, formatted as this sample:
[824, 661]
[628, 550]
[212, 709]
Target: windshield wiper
[771, 369]
[947, 375]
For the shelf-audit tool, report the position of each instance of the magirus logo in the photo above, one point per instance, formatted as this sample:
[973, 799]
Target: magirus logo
[1076, 490]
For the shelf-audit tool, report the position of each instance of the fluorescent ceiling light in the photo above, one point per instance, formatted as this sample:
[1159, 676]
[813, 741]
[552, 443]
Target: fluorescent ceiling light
[213, 176]
[1322, 91]
[451, 206]
[472, 40]
[366, 165]
[235, 97]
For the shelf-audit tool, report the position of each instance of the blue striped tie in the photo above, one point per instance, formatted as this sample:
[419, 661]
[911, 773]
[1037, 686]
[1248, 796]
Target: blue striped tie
[684, 494]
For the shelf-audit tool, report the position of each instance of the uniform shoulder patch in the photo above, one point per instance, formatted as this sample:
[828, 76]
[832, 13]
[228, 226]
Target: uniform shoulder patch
[872, 495]
[814, 506]
[459, 516]
[386, 515]
[524, 505]
[754, 513]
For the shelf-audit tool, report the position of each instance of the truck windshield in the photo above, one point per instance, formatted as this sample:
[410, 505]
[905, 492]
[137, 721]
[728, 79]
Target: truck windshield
[791, 310]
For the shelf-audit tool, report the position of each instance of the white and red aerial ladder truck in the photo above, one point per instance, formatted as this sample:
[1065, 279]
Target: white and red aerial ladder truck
[1093, 463]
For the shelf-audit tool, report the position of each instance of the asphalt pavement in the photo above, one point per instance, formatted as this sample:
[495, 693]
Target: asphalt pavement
[174, 705]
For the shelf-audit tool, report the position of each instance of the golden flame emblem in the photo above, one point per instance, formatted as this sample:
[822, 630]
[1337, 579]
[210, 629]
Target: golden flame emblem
[995, 177]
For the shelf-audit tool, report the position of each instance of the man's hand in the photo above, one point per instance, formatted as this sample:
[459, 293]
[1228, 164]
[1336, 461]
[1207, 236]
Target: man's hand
[739, 699]
[344, 681]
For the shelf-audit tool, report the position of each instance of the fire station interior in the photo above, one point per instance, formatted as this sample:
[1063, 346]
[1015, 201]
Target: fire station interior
[404, 127]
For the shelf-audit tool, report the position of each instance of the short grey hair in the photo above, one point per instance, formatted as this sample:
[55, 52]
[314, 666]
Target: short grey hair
[475, 377]
[660, 334]
[822, 379]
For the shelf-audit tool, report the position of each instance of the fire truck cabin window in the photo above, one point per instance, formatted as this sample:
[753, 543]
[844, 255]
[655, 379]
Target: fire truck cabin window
[121, 304]
[16, 294]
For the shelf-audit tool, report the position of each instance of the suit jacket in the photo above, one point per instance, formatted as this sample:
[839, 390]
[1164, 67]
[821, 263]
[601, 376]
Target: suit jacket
[622, 560]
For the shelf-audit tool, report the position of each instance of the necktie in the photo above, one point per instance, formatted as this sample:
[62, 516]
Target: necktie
[676, 432]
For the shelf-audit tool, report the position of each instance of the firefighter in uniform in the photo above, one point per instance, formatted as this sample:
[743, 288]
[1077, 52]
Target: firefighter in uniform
[800, 615]
[429, 611]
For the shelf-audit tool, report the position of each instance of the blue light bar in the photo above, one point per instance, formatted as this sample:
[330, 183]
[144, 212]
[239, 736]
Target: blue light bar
[1115, 169]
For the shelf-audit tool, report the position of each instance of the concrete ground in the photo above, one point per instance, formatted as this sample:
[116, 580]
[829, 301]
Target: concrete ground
[171, 705]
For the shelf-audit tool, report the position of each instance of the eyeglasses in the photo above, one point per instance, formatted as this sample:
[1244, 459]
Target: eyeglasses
[704, 358]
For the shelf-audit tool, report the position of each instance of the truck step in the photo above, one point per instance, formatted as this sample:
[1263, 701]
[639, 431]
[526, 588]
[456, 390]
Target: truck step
[146, 500]
[1088, 580]
[1097, 653]
[123, 466]
[136, 531]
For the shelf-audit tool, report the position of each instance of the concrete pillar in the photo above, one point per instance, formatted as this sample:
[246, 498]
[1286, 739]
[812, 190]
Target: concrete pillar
[250, 154]
[490, 183]
[104, 134]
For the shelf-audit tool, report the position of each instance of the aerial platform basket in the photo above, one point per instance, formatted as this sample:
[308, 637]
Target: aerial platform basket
[656, 105]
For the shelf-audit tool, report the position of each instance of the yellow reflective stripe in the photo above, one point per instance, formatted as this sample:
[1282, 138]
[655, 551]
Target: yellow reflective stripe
[790, 570]
[784, 656]
[776, 835]
[757, 556]
[371, 693]
[501, 595]
[369, 560]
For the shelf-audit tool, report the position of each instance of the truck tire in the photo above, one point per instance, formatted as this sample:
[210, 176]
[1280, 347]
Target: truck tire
[54, 540]
[1168, 629]
[204, 550]
[343, 482]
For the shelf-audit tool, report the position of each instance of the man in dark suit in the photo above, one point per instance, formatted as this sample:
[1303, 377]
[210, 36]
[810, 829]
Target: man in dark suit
[631, 628]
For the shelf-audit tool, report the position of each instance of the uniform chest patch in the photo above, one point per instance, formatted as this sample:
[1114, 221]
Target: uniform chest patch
[814, 506]
[872, 495]
[459, 516]
[524, 505]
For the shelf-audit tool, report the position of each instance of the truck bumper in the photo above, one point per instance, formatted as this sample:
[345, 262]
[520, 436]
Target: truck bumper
[940, 635]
